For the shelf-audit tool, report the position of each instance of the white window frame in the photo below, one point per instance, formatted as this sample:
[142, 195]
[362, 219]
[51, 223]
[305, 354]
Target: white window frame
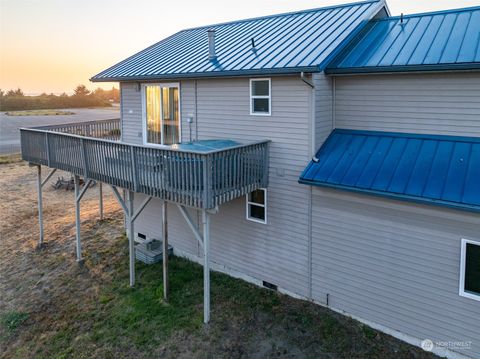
[144, 112]
[269, 97]
[264, 206]
[463, 257]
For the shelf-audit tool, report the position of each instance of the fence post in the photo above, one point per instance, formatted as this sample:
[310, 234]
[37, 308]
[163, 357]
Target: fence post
[84, 154]
[40, 204]
[266, 164]
[131, 237]
[134, 168]
[47, 148]
[207, 193]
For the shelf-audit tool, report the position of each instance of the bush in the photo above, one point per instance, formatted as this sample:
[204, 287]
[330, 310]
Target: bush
[15, 100]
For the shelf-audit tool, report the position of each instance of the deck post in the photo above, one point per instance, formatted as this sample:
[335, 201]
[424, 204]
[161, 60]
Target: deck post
[100, 200]
[40, 205]
[165, 250]
[131, 237]
[77, 217]
[206, 265]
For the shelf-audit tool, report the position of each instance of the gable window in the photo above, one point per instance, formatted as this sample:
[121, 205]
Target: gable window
[470, 269]
[260, 97]
[161, 114]
[257, 206]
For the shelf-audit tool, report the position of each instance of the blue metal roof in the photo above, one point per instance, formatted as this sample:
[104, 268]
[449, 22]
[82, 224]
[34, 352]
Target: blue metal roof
[443, 170]
[292, 42]
[444, 40]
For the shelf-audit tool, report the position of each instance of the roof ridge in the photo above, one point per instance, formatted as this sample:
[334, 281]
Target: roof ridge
[438, 12]
[282, 14]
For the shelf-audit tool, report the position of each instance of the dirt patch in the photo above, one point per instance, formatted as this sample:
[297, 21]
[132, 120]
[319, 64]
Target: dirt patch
[40, 283]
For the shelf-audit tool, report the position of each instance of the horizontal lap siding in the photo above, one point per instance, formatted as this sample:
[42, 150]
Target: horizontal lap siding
[420, 103]
[276, 252]
[131, 120]
[395, 264]
[323, 108]
[131, 104]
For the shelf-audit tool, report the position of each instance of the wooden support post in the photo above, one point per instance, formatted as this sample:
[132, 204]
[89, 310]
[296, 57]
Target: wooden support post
[131, 237]
[77, 217]
[100, 199]
[165, 250]
[40, 205]
[206, 266]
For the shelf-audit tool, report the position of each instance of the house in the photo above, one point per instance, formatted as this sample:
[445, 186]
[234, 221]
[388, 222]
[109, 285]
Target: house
[331, 154]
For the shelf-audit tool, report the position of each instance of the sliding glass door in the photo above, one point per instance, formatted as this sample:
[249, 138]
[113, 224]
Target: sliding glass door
[162, 114]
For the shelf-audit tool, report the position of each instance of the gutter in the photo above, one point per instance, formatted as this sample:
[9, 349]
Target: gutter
[210, 74]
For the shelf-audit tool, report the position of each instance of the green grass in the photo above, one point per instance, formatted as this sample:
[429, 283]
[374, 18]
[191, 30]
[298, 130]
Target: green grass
[39, 113]
[11, 321]
[120, 321]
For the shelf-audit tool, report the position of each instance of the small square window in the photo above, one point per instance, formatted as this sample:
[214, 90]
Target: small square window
[260, 97]
[470, 269]
[257, 206]
[261, 105]
[260, 88]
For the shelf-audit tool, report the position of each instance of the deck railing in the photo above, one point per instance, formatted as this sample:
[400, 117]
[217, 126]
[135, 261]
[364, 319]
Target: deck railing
[195, 179]
[107, 129]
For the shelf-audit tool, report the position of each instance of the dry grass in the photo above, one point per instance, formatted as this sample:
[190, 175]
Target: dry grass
[51, 307]
[10, 158]
[39, 113]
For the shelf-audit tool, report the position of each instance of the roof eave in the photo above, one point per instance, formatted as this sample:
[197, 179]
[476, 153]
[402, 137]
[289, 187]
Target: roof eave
[408, 68]
[210, 74]
[402, 197]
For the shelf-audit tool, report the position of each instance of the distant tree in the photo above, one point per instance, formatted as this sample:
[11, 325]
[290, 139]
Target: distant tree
[115, 94]
[17, 92]
[81, 90]
[2, 93]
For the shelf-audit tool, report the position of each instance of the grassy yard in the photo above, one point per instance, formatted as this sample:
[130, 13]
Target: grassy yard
[51, 307]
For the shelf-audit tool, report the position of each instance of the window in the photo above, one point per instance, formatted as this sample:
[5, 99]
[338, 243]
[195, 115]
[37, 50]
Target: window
[161, 114]
[470, 269]
[257, 206]
[260, 97]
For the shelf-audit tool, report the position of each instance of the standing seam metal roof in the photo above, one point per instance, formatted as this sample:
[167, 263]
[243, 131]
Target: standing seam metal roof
[443, 40]
[299, 41]
[438, 169]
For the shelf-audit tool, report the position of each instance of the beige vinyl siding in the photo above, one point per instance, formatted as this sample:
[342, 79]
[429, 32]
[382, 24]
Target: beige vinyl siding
[275, 252]
[131, 109]
[395, 264]
[440, 103]
[323, 108]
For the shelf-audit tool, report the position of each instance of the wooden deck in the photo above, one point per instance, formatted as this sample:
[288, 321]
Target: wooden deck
[199, 179]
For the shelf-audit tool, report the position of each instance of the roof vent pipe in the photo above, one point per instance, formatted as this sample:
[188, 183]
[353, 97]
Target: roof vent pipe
[212, 56]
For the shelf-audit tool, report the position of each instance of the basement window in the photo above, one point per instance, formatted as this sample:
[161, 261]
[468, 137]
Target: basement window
[257, 206]
[470, 269]
[260, 97]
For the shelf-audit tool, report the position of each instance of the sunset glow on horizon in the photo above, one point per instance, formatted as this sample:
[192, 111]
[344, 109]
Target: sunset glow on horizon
[55, 45]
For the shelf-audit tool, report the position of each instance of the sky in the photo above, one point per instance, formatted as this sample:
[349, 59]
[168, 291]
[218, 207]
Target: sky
[55, 45]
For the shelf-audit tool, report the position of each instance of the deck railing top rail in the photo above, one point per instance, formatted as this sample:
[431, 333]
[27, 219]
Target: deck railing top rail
[200, 179]
[106, 129]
